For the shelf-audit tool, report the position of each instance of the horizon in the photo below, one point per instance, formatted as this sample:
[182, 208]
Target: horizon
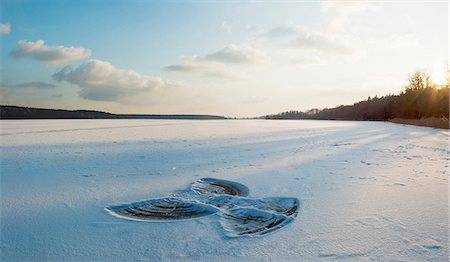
[233, 59]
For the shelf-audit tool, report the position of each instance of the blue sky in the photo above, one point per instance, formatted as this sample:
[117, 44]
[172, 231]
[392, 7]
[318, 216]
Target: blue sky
[234, 58]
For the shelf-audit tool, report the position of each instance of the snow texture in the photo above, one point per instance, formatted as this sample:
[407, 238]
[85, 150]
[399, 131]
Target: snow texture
[368, 190]
[210, 195]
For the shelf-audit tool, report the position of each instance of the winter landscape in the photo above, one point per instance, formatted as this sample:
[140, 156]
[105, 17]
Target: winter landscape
[367, 190]
[224, 130]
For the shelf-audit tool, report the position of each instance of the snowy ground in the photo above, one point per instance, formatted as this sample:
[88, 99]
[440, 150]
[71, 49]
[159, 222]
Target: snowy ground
[367, 190]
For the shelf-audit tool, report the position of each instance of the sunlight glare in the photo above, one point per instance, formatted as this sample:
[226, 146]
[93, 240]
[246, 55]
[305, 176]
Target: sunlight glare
[439, 73]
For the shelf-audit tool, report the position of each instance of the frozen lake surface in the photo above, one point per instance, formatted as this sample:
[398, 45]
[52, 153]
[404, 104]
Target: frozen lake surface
[367, 190]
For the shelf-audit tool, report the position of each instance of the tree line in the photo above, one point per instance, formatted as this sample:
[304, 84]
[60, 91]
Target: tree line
[421, 98]
[18, 112]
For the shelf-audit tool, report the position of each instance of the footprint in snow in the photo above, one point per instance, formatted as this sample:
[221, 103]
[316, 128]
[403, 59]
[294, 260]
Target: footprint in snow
[239, 215]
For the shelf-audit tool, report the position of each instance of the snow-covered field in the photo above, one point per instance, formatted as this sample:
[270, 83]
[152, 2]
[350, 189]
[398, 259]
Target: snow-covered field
[367, 190]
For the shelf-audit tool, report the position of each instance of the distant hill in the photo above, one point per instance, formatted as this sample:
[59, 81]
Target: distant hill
[17, 112]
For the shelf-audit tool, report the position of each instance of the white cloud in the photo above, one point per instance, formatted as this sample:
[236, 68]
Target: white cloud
[308, 61]
[52, 54]
[309, 40]
[207, 67]
[100, 80]
[281, 31]
[34, 84]
[317, 41]
[219, 64]
[188, 64]
[5, 28]
[238, 54]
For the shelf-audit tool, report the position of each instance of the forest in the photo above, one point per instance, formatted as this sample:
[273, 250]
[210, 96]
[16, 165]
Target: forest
[420, 99]
[18, 112]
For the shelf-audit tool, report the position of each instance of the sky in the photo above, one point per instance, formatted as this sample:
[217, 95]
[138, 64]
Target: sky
[231, 58]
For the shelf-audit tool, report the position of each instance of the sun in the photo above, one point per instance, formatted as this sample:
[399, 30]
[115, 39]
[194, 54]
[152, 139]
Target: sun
[439, 73]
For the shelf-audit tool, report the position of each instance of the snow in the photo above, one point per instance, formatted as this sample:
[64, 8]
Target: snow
[367, 190]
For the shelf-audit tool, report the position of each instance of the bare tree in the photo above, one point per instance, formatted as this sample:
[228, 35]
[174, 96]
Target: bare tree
[419, 80]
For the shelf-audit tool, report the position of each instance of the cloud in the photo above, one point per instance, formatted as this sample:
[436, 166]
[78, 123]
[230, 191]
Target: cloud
[237, 54]
[309, 40]
[219, 64]
[208, 68]
[187, 64]
[51, 54]
[281, 31]
[317, 41]
[308, 61]
[5, 28]
[34, 84]
[100, 80]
